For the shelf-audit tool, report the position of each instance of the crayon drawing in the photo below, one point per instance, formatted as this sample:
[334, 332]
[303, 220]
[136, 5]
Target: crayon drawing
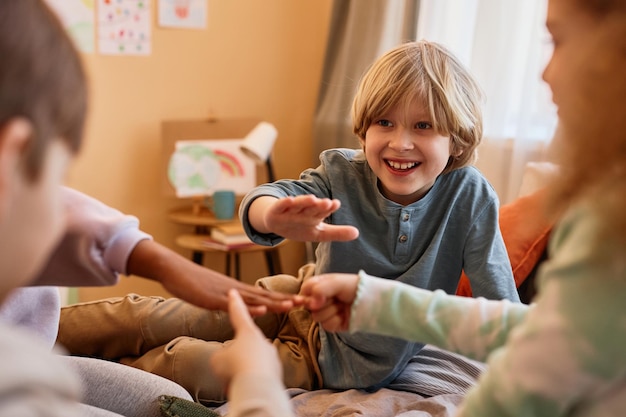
[200, 167]
[78, 17]
[189, 14]
[124, 27]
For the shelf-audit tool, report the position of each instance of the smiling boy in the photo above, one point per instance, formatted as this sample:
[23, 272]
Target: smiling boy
[422, 214]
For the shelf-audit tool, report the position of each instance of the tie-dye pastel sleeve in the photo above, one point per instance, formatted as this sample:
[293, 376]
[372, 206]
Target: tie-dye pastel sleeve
[567, 357]
[470, 326]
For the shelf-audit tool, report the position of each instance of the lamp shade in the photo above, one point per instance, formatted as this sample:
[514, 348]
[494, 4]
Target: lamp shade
[258, 144]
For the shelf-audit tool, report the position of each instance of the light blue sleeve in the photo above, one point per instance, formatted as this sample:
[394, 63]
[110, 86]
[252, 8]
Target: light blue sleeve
[311, 182]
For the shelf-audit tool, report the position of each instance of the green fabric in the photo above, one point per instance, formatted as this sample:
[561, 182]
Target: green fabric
[179, 407]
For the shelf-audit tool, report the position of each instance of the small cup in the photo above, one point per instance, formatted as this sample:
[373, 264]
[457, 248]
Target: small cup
[222, 203]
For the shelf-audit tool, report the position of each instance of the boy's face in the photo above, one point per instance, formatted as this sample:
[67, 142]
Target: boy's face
[32, 218]
[405, 152]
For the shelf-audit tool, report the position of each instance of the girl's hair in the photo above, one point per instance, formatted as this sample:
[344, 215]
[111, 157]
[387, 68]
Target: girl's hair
[602, 7]
[428, 72]
[41, 78]
[590, 147]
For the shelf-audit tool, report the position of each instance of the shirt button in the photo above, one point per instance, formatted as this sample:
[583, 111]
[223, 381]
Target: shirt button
[406, 217]
[403, 238]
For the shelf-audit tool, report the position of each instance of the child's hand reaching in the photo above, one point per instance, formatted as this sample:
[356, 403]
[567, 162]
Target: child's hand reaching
[249, 352]
[329, 297]
[299, 218]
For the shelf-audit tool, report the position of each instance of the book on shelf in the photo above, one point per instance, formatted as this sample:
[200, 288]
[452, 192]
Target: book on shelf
[214, 244]
[230, 234]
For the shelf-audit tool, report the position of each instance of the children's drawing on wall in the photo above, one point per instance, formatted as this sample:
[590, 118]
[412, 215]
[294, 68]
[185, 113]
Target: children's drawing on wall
[189, 14]
[124, 27]
[78, 17]
[200, 167]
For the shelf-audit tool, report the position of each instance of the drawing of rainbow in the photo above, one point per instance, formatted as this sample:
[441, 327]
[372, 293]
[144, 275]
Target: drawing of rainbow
[229, 163]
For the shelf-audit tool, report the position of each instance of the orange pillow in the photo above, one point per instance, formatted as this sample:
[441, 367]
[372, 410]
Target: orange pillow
[525, 230]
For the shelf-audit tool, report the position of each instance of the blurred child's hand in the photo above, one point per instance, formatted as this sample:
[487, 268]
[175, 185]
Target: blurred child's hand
[302, 218]
[249, 352]
[329, 297]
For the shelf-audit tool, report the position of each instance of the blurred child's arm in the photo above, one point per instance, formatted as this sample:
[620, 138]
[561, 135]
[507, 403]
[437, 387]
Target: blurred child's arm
[250, 368]
[298, 218]
[571, 344]
[472, 327]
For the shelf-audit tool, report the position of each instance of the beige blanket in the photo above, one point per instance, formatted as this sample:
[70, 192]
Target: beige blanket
[382, 403]
[432, 385]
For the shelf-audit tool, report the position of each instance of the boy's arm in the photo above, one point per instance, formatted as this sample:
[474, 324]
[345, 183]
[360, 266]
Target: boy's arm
[257, 211]
[298, 218]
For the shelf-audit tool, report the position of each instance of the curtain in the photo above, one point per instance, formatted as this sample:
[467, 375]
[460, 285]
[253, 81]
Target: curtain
[505, 45]
[360, 31]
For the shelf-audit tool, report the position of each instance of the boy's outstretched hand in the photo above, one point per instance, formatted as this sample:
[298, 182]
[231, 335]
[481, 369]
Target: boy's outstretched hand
[299, 218]
[329, 297]
[249, 352]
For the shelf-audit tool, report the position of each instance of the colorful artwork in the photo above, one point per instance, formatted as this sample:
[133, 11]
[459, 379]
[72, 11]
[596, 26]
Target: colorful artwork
[124, 27]
[78, 17]
[200, 167]
[189, 14]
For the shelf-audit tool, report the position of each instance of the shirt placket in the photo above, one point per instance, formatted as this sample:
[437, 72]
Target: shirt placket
[404, 233]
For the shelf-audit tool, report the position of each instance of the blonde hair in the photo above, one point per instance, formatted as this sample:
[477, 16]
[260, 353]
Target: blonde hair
[591, 142]
[426, 71]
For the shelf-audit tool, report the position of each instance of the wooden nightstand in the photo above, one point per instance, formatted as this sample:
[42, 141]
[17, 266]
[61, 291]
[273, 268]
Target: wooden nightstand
[195, 243]
[203, 221]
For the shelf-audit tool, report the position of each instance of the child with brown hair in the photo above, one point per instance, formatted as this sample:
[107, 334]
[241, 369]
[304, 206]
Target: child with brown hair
[43, 101]
[52, 235]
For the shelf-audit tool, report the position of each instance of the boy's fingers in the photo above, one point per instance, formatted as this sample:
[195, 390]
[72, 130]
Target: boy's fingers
[308, 204]
[334, 232]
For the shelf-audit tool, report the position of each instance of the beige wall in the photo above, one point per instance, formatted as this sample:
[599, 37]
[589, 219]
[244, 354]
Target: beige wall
[259, 59]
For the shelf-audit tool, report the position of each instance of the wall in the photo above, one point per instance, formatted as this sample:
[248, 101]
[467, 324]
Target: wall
[259, 59]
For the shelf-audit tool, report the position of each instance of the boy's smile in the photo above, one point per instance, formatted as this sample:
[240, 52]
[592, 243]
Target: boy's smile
[402, 166]
[405, 152]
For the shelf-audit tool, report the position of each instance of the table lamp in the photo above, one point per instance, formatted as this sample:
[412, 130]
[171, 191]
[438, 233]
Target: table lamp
[258, 145]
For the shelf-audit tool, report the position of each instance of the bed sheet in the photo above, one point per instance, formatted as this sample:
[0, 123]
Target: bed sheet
[432, 385]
